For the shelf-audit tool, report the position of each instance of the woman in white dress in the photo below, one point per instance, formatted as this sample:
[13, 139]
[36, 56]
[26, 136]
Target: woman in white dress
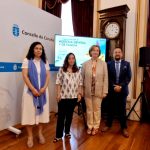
[35, 100]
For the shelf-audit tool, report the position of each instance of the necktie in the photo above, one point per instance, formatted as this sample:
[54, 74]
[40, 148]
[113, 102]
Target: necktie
[117, 71]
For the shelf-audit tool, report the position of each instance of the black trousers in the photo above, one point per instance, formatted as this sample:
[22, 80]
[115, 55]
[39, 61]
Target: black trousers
[117, 106]
[65, 114]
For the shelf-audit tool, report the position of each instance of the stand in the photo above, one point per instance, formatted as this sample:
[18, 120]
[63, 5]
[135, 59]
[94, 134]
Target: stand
[81, 111]
[143, 98]
[14, 130]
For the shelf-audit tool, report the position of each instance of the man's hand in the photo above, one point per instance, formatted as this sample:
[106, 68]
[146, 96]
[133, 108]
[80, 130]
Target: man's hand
[117, 88]
[104, 95]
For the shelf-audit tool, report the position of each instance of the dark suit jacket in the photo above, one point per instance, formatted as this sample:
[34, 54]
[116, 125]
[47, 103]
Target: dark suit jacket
[124, 78]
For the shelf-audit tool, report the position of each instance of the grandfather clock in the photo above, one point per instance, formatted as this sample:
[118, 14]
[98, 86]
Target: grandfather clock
[113, 27]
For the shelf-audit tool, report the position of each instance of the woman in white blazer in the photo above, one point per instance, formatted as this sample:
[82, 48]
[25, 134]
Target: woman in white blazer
[95, 87]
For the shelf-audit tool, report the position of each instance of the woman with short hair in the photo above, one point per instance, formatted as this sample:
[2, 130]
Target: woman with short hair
[95, 87]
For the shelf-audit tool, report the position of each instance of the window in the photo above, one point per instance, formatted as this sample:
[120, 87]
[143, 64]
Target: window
[66, 16]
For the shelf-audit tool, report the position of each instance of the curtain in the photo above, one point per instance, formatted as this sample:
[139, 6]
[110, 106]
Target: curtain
[145, 109]
[82, 17]
[82, 14]
[53, 6]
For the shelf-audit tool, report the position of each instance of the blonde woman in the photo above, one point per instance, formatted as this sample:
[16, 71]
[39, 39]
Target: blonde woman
[95, 86]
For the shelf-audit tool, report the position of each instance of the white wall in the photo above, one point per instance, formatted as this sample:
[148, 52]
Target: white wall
[13, 49]
[33, 2]
[143, 14]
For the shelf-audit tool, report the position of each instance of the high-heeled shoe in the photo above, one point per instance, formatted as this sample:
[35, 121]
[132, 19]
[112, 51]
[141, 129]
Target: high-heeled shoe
[89, 131]
[94, 131]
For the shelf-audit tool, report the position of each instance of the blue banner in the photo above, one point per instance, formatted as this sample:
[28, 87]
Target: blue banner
[16, 67]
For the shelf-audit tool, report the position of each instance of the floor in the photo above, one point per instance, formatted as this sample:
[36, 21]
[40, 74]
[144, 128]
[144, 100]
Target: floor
[113, 140]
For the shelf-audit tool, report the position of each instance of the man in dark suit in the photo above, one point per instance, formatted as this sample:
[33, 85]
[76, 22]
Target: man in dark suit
[119, 73]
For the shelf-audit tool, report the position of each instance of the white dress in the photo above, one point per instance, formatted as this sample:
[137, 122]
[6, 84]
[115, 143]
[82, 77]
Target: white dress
[29, 116]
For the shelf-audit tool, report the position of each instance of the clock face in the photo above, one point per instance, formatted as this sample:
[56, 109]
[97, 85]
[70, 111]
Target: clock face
[112, 30]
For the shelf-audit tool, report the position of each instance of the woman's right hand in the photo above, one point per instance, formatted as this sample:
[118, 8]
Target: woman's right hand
[79, 97]
[35, 93]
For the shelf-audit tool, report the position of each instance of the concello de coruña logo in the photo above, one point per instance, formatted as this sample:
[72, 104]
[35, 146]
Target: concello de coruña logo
[15, 67]
[15, 30]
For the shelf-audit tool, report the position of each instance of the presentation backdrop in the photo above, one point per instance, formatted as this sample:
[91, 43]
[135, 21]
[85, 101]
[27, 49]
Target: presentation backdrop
[79, 46]
[20, 25]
